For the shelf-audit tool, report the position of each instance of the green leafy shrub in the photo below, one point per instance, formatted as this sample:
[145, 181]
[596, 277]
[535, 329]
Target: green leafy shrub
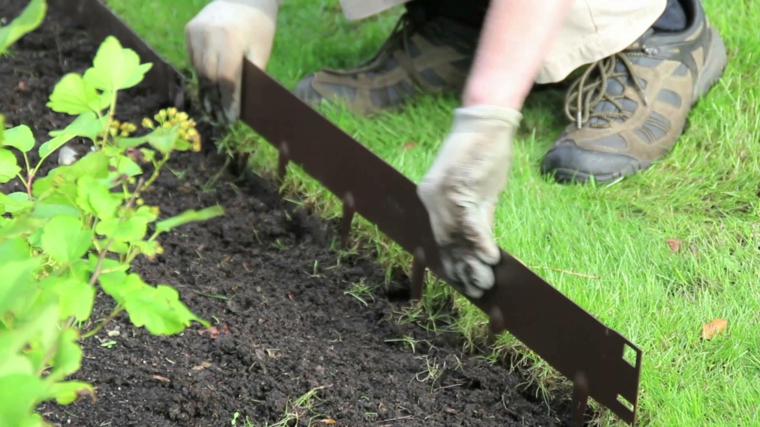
[79, 228]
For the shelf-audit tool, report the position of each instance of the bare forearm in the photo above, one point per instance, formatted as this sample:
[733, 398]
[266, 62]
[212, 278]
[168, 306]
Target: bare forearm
[516, 36]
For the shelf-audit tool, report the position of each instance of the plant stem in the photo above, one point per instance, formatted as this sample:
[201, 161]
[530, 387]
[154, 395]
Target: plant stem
[118, 309]
[157, 169]
[29, 179]
[26, 160]
[104, 251]
[111, 112]
[47, 358]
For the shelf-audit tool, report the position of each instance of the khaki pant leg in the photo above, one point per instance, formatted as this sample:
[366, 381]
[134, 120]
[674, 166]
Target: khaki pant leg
[593, 30]
[360, 9]
[596, 29]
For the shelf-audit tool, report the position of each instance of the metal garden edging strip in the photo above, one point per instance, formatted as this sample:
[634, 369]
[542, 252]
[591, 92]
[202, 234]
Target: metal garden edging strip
[559, 331]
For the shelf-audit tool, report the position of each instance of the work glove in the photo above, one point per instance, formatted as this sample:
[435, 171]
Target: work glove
[218, 38]
[461, 189]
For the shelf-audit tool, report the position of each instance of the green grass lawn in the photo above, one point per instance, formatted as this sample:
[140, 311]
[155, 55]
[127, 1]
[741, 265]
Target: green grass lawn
[605, 246]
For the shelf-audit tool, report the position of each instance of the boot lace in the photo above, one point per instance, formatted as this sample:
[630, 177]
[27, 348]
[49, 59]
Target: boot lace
[590, 89]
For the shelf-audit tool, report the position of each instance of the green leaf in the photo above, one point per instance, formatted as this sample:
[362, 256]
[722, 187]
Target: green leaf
[127, 166]
[67, 392]
[80, 270]
[74, 95]
[119, 284]
[15, 203]
[148, 248]
[116, 247]
[132, 141]
[68, 356]
[20, 138]
[189, 216]
[95, 198]
[14, 363]
[149, 154]
[40, 326]
[87, 125]
[130, 230]
[147, 213]
[50, 146]
[20, 393]
[76, 297]
[64, 240]
[17, 276]
[115, 68]
[19, 227]
[54, 207]
[15, 249]
[9, 167]
[29, 19]
[94, 164]
[35, 238]
[159, 310]
[162, 139]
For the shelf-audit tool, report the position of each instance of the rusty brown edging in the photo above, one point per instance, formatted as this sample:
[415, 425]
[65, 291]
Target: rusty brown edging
[559, 331]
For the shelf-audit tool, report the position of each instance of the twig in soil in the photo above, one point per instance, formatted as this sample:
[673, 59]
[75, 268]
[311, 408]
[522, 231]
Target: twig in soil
[211, 295]
[395, 419]
[448, 386]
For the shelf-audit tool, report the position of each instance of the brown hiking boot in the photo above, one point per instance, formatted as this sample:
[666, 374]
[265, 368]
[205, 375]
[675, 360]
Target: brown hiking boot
[431, 56]
[630, 109]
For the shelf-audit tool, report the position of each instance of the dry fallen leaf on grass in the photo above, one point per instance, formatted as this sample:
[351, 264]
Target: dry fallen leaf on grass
[674, 244]
[409, 145]
[709, 330]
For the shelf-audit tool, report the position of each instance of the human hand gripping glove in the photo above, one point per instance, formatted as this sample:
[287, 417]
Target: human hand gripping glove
[218, 38]
[461, 189]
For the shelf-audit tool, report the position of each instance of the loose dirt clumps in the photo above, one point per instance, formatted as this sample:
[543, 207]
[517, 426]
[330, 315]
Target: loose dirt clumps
[295, 335]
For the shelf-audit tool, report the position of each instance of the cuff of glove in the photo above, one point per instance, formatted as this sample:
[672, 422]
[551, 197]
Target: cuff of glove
[486, 118]
[268, 7]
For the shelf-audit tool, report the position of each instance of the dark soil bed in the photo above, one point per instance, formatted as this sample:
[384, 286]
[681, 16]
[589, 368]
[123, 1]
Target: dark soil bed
[264, 275]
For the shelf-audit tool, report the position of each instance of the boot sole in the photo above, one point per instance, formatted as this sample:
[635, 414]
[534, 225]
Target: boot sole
[715, 65]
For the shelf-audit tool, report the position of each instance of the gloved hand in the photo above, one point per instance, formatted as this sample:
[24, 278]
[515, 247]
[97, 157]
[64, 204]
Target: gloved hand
[461, 189]
[218, 38]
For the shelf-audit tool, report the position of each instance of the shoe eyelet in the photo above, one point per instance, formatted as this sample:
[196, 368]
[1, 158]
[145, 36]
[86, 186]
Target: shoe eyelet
[651, 51]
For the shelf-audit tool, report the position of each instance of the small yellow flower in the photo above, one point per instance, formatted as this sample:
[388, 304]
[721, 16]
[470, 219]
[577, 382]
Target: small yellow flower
[148, 123]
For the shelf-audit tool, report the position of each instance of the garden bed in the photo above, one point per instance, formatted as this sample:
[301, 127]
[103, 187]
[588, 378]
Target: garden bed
[299, 331]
